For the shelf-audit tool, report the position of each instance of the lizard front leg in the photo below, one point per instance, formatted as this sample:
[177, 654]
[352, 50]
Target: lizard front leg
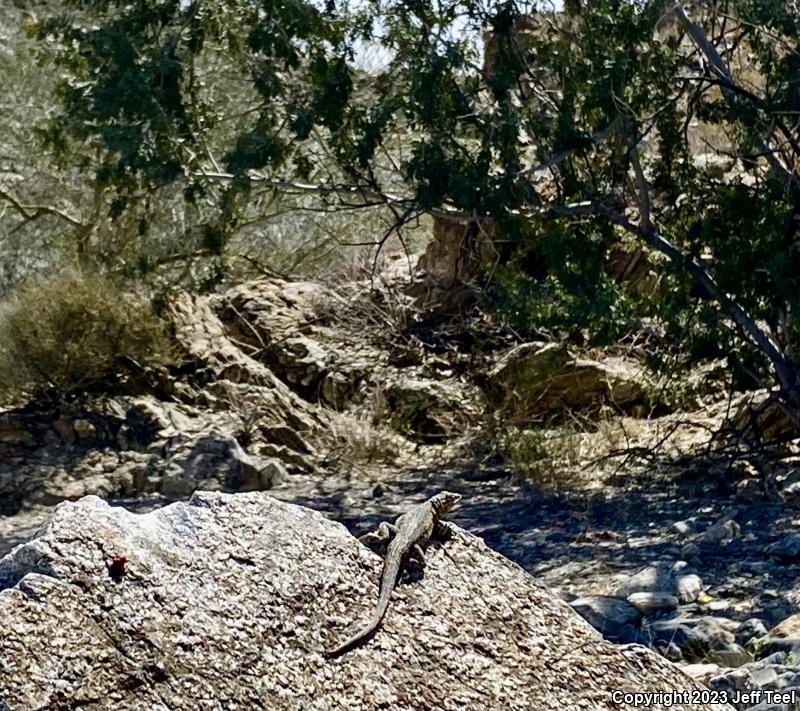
[415, 561]
[442, 531]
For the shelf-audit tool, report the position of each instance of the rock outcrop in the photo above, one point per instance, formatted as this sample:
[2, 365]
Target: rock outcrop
[225, 602]
[543, 378]
[137, 446]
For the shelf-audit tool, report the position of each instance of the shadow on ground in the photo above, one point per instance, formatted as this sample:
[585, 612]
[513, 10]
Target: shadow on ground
[581, 543]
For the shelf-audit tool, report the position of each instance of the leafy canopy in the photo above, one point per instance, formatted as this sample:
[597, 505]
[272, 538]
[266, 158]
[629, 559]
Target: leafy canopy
[568, 129]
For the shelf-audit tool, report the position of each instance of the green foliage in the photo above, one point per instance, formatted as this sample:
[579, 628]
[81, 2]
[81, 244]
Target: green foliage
[611, 103]
[555, 281]
[72, 330]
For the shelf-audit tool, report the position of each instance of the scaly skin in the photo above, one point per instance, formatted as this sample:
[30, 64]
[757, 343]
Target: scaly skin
[411, 531]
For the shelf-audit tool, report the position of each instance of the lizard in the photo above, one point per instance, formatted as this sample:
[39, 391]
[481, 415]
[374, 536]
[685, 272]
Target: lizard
[405, 539]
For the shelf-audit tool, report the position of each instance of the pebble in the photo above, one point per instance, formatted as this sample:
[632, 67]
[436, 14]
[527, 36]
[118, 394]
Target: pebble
[688, 587]
[786, 549]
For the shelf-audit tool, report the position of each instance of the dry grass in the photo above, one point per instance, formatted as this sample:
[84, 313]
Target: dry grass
[73, 330]
[353, 440]
[557, 456]
[362, 437]
[584, 454]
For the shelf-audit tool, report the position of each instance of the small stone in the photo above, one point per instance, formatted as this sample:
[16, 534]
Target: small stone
[756, 567]
[766, 677]
[683, 528]
[786, 549]
[778, 659]
[84, 429]
[735, 680]
[791, 491]
[649, 602]
[272, 473]
[790, 627]
[718, 605]
[731, 656]
[701, 672]
[653, 578]
[752, 628]
[688, 588]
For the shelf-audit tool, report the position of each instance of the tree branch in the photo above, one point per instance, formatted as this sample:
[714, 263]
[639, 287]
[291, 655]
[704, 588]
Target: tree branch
[560, 157]
[785, 371]
[726, 82]
[642, 188]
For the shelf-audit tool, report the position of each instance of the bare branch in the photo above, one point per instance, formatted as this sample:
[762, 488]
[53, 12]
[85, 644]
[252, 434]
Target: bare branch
[642, 188]
[726, 82]
[368, 197]
[33, 212]
[560, 157]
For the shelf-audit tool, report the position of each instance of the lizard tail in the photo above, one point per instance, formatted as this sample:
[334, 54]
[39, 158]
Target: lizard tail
[388, 580]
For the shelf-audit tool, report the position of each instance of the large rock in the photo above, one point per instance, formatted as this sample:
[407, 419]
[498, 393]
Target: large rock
[546, 378]
[760, 417]
[683, 634]
[617, 620]
[296, 330]
[429, 411]
[204, 339]
[226, 602]
[783, 637]
[128, 446]
[461, 251]
[222, 420]
[313, 338]
[703, 639]
[657, 577]
[629, 265]
[653, 602]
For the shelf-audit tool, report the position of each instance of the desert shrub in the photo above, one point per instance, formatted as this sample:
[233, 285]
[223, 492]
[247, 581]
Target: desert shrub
[73, 329]
[559, 455]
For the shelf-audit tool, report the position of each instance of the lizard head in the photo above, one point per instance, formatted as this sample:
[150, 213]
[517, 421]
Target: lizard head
[444, 501]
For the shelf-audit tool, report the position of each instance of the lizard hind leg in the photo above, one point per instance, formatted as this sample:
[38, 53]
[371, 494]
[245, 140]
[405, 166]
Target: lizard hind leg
[416, 557]
[381, 537]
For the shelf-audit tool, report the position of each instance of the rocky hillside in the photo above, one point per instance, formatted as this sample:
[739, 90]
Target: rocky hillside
[279, 378]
